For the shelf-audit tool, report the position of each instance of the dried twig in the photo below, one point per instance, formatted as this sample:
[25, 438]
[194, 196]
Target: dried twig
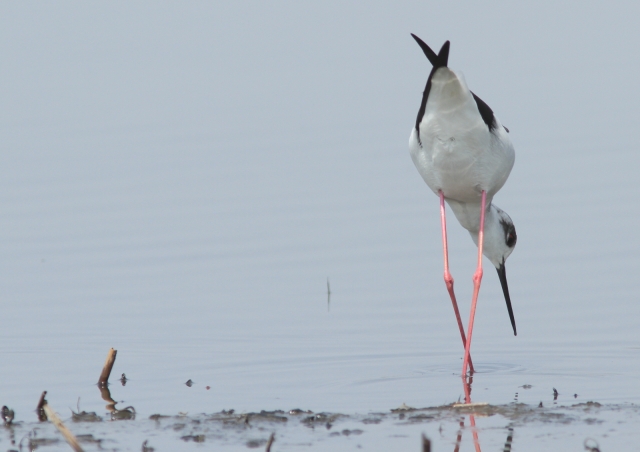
[470, 405]
[55, 420]
[42, 417]
[272, 438]
[108, 365]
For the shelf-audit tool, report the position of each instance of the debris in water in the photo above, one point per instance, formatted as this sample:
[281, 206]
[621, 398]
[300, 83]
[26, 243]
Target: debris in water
[7, 415]
[124, 414]
[194, 438]
[83, 416]
[403, 407]
[591, 445]
[42, 417]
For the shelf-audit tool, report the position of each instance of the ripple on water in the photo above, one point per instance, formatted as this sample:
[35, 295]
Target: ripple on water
[480, 368]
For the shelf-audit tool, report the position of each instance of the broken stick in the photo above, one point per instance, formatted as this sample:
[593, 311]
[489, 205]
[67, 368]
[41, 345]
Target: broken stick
[108, 365]
[55, 420]
[270, 442]
[42, 417]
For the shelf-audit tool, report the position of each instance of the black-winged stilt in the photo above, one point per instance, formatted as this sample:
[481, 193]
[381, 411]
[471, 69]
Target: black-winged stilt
[464, 154]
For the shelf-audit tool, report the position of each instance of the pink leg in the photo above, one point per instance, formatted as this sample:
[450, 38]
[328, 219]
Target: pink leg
[466, 386]
[477, 278]
[448, 279]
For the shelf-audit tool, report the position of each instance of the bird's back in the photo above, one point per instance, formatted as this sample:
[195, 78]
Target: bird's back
[453, 147]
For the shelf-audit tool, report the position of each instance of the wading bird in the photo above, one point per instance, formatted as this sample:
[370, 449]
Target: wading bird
[464, 154]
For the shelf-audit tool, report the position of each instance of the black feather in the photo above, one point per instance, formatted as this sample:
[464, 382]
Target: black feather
[438, 61]
[486, 112]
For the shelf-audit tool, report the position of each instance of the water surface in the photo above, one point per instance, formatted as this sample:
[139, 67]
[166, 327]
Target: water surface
[180, 184]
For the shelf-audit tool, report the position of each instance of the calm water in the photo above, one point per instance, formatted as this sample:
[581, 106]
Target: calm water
[183, 197]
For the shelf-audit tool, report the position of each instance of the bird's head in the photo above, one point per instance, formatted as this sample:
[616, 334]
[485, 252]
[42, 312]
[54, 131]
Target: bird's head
[499, 237]
[499, 241]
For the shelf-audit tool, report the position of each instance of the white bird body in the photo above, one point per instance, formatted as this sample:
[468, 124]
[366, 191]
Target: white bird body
[458, 154]
[465, 155]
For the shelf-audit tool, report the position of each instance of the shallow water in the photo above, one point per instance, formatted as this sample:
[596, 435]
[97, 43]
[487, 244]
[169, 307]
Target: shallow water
[172, 201]
[492, 427]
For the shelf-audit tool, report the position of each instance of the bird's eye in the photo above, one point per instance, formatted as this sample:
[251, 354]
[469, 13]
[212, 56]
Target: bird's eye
[511, 239]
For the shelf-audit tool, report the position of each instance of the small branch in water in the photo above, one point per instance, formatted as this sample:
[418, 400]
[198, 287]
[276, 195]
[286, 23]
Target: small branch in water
[270, 442]
[55, 420]
[42, 417]
[108, 365]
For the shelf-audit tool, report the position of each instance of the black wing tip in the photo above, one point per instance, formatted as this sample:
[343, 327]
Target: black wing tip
[441, 59]
[486, 112]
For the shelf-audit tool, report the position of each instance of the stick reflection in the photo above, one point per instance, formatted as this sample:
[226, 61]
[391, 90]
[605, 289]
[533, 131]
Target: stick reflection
[116, 414]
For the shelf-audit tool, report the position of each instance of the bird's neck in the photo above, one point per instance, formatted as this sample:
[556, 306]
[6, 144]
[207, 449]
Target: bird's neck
[468, 214]
[494, 236]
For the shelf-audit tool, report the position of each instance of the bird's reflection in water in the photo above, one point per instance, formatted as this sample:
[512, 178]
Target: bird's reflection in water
[466, 385]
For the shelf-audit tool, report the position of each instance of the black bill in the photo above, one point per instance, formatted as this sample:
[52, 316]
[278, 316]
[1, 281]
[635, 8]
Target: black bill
[502, 274]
